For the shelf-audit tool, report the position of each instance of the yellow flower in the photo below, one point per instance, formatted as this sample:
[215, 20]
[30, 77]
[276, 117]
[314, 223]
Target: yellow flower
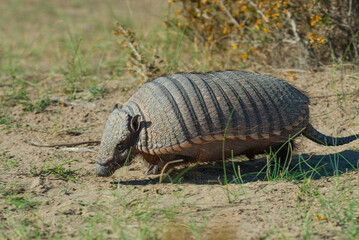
[311, 37]
[178, 12]
[267, 12]
[240, 25]
[224, 31]
[256, 26]
[234, 46]
[285, 3]
[243, 8]
[266, 30]
[244, 56]
[259, 21]
[279, 25]
[291, 75]
[314, 20]
[275, 15]
[320, 217]
[170, 1]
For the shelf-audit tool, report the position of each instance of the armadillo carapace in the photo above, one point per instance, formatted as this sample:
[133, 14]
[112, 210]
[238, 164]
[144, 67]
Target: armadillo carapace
[187, 116]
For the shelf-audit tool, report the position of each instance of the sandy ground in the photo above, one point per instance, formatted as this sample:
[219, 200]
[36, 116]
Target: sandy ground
[257, 209]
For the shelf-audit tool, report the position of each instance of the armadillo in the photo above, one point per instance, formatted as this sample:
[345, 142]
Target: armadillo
[206, 117]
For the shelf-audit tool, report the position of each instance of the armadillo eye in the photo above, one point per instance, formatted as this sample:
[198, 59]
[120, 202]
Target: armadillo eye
[121, 147]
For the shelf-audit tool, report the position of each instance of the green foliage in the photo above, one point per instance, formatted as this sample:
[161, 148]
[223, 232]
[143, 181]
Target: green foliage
[13, 195]
[4, 119]
[38, 106]
[336, 207]
[97, 91]
[8, 162]
[17, 91]
[57, 170]
[21, 202]
[75, 69]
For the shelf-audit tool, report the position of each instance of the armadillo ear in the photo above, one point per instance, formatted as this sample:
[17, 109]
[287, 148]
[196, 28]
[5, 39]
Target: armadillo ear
[135, 123]
[114, 107]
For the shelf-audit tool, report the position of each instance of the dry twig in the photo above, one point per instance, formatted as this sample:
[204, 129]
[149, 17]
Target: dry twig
[229, 14]
[78, 150]
[61, 144]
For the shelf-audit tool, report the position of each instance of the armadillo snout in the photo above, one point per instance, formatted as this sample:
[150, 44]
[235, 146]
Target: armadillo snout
[105, 171]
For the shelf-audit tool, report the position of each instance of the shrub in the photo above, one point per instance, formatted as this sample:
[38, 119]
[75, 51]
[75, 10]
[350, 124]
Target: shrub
[273, 32]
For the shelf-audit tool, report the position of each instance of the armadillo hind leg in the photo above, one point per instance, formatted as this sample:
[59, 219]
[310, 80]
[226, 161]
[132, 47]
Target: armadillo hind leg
[311, 133]
[284, 151]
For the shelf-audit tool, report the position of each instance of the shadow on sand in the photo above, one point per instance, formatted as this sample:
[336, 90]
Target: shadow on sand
[301, 166]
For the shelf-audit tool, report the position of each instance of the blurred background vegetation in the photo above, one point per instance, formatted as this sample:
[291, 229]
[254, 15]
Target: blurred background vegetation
[279, 32]
[79, 46]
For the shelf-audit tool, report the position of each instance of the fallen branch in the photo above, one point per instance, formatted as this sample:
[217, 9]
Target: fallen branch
[78, 150]
[60, 144]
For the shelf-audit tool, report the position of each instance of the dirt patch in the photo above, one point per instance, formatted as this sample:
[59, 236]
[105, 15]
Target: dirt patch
[51, 192]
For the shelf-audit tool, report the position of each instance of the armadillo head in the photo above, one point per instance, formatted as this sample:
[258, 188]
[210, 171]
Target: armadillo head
[117, 139]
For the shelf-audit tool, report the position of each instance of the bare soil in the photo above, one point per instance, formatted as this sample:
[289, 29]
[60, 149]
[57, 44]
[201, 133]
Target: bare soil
[256, 209]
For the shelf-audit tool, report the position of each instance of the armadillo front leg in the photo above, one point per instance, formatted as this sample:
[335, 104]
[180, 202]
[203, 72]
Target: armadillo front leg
[153, 169]
[157, 163]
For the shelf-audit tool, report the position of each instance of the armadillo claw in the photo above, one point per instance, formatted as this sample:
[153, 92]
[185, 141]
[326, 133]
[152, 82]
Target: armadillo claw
[152, 170]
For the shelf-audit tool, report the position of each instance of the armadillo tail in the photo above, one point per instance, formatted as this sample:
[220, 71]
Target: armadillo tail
[311, 133]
